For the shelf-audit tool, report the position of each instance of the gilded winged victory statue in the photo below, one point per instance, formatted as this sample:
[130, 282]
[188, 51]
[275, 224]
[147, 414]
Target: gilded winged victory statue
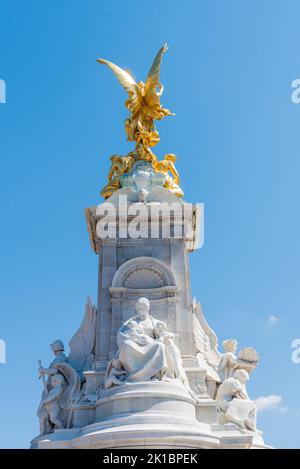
[144, 108]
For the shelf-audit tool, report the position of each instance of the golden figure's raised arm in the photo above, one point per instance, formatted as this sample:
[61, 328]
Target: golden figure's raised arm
[174, 173]
[135, 97]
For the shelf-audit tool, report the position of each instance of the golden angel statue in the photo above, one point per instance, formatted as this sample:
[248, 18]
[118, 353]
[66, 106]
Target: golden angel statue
[143, 102]
[144, 108]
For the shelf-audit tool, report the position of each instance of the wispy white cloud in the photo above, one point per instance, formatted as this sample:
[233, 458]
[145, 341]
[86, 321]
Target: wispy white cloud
[283, 409]
[271, 402]
[273, 319]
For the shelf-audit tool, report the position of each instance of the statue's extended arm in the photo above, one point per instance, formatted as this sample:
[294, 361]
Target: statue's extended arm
[47, 371]
[111, 173]
[242, 394]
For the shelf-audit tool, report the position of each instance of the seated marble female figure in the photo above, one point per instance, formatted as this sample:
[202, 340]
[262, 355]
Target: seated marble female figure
[146, 352]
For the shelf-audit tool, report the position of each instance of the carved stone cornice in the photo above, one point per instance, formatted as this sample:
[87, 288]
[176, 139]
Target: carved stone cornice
[191, 227]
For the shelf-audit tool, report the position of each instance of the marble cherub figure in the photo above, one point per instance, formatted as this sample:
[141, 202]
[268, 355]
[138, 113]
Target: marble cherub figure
[115, 374]
[175, 367]
[228, 361]
[247, 359]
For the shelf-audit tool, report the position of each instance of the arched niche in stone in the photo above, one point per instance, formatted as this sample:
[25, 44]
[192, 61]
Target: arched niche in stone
[142, 277]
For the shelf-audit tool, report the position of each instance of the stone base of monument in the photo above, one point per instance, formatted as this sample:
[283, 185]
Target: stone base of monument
[153, 414]
[232, 437]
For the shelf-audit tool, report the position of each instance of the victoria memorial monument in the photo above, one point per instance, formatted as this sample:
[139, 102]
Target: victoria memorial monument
[144, 369]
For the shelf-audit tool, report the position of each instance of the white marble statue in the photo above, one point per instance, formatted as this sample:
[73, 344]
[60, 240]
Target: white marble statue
[234, 402]
[81, 346]
[146, 351]
[247, 359]
[58, 350]
[61, 389]
[228, 360]
[49, 412]
[218, 366]
[141, 353]
[174, 360]
[65, 378]
[115, 374]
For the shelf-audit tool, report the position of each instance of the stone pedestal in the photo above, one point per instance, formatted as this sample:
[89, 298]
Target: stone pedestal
[149, 415]
[141, 415]
[154, 268]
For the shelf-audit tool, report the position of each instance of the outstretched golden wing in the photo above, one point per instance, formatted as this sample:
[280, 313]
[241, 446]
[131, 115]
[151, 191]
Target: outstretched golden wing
[152, 96]
[135, 100]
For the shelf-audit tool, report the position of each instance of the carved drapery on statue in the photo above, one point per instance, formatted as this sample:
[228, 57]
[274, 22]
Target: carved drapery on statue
[234, 403]
[144, 108]
[60, 392]
[141, 354]
[146, 351]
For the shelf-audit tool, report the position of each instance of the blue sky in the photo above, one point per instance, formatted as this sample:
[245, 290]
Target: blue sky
[227, 76]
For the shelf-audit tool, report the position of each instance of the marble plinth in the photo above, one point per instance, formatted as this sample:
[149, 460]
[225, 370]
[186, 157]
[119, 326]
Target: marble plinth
[149, 415]
[141, 415]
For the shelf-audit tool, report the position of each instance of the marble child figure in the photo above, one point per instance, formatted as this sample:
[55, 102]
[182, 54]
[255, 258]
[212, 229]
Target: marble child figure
[115, 375]
[228, 361]
[175, 367]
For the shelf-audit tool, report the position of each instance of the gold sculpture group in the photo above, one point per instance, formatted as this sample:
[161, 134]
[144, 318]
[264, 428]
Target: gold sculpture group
[144, 108]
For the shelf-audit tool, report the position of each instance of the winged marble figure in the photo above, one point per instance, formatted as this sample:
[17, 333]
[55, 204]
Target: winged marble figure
[63, 381]
[219, 366]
